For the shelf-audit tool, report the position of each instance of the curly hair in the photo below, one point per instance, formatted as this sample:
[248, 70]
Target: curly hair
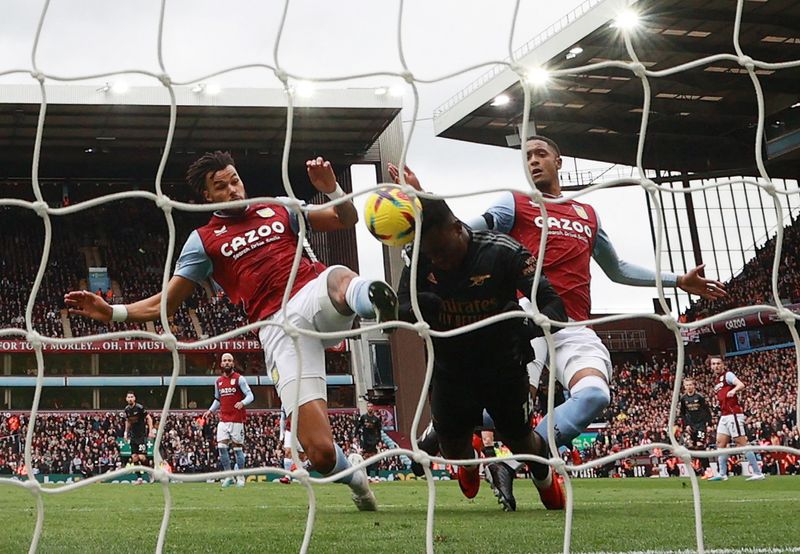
[208, 162]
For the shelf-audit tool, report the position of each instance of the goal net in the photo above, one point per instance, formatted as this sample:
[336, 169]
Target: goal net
[290, 79]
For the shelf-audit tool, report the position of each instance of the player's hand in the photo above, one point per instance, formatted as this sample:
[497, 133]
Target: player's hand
[321, 174]
[730, 394]
[410, 176]
[125, 438]
[238, 405]
[206, 415]
[152, 433]
[694, 283]
[88, 304]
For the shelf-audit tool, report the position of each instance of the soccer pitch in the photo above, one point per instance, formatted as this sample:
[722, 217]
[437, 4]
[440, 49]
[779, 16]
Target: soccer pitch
[620, 515]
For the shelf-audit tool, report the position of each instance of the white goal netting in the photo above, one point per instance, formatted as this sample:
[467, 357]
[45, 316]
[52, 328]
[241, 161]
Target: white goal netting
[288, 78]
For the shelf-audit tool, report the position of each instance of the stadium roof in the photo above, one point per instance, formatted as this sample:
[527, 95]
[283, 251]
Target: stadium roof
[702, 119]
[96, 132]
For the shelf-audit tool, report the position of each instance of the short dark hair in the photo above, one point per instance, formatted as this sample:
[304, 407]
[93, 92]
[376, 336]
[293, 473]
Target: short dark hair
[130, 392]
[208, 162]
[550, 142]
[435, 214]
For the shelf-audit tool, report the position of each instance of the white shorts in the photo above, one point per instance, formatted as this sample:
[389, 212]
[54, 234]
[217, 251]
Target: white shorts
[309, 309]
[576, 348]
[732, 425]
[287, 441]
[230, 431]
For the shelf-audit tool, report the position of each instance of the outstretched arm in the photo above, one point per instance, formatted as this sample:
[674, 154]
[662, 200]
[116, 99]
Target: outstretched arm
[341, 216]
[89, 304]
[626, 273]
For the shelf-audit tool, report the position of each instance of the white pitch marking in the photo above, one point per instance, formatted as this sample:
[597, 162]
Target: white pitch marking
[775, 550]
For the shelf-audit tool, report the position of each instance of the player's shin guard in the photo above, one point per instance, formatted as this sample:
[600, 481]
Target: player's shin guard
[371, 299]
[751, 459]
[357, 297]
[723, 465]
[239, 455]
[588, 398]
[356, 480]
[225, 458]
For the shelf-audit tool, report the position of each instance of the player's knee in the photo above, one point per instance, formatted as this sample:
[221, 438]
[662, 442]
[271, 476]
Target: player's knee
[593, 393]
[322, 456]
[338, 280]
[594, 400]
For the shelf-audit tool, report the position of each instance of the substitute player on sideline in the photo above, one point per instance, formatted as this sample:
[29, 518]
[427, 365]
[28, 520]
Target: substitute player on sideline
[231, 395]
[731, 420]
[249, 253]
[138, 427]
[582, 364]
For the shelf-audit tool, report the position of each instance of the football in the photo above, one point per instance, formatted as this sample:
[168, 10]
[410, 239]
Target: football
[389, 215]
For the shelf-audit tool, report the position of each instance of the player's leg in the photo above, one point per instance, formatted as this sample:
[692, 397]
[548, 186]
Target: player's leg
[346, 293]
[583, 366]
[368, 451]
[223, 448]
[314, 433]
[428, 442]
[723, 439]
[698, 437]
[740, 439]
[487, 435]
[138, 458]
[308, 309]
[237, 441]
[455, 413]
[510, 409]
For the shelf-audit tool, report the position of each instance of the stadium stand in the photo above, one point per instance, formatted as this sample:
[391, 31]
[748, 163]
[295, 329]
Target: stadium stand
[123, 241]
[753, 284]
[641, 396]
[86, 442]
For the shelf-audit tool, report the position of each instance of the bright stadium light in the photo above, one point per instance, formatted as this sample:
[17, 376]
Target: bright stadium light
[538, 76]
[198, 88]
[381, 91]
[627, 20]
[120, 87]
[501, 100]
[573, 52]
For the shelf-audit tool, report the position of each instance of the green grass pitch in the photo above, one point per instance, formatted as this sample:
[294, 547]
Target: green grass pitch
[619, 515]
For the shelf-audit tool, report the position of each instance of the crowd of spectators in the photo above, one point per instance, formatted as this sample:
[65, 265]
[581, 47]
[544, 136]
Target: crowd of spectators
[642, 393]
[218, 315]
[87, 443]
[131, 243]
[754, 284]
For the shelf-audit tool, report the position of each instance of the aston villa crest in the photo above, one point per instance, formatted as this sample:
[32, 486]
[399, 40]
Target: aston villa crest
[268, 212]
[580, 211]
